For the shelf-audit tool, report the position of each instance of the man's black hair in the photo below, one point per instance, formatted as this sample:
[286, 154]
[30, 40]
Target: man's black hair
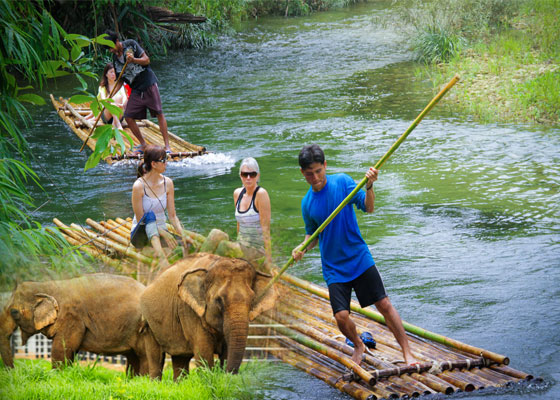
[310, 154]
[112, 36]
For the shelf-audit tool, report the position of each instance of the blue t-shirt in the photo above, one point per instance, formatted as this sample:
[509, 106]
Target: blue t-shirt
[344, 253]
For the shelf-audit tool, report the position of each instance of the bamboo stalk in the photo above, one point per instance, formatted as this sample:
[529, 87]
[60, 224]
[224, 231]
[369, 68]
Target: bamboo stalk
[114, 227]
[512, 372]
[460, 383]
[359, 186]
[434, 383]
[103, 231]
[115, 246]
[424, 333]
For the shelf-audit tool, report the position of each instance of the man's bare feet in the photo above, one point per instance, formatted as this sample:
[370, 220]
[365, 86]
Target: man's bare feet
[359, 349]
[409, 359]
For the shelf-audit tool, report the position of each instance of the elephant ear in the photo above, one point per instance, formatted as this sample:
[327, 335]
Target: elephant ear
[45, 311]
[191, 289]
[268, 300]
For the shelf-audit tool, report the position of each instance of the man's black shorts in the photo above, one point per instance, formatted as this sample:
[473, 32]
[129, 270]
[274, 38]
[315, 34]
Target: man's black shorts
[368, 287]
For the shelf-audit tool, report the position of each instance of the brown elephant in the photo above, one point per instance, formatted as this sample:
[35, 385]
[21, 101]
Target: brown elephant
[202, 306]
[99, 313]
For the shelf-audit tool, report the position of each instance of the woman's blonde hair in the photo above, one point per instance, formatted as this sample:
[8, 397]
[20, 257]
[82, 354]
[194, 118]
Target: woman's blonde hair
[251, 163]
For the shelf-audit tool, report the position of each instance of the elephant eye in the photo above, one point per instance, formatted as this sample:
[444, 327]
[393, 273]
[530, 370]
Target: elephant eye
[15, 313]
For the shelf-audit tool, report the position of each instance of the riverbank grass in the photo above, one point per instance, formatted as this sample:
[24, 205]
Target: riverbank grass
[513, 75]
[34, 379]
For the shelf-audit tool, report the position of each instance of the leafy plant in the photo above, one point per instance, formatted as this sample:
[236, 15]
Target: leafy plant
[34, 49]
[435, 45]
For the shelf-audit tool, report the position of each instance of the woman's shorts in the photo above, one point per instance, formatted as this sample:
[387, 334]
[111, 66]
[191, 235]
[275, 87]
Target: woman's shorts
[368, 287]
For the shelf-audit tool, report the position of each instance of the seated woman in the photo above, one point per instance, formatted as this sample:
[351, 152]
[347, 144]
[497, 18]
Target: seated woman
[108, 81]
[153, 191]
[252, 212]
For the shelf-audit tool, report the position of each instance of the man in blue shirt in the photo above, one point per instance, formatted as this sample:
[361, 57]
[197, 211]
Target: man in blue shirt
[345, 256]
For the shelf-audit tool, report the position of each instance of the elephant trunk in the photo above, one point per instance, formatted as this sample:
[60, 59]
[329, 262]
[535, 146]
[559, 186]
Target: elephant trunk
[236, 331]
[7, 327]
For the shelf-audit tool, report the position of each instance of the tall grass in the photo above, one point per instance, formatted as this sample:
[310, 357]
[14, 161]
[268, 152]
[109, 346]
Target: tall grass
[33, 379]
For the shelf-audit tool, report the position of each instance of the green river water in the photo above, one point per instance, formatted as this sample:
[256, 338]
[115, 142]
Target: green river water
[466, 231]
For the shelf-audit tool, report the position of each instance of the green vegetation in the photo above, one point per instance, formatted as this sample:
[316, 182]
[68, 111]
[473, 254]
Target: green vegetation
[506, 52]
[34, 49]
[36, 380]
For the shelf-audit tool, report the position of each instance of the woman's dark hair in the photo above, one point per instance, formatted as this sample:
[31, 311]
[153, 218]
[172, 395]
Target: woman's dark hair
[151, 153]
[104, 81]
[310, 154]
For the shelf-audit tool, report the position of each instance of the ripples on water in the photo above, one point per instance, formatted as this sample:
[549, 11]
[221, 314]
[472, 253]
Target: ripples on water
[466, 229]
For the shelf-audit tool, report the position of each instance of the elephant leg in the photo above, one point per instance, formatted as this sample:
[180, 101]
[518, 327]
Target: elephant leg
[155, 358]
[66, 343]
[132, 364]
[180, 365]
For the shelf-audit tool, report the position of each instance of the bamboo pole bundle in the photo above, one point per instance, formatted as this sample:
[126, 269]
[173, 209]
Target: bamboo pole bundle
[125, 223]
[115, 246]
[112, 225]
[435, 383]
[419, 386]
[109, 233]
[350, 388]
[500, 359]
[497, 377]
[331, 353]
[335, 369]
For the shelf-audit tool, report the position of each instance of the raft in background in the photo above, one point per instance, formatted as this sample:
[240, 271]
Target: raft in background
[301, 331]
[74, 114]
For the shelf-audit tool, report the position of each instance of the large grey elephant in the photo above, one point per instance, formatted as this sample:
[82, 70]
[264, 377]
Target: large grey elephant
[202, 306]
[99, 313]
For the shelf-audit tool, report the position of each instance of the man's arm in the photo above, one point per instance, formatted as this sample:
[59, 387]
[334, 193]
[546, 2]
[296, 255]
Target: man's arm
[297, 254]
[142, 60]
[371, 176]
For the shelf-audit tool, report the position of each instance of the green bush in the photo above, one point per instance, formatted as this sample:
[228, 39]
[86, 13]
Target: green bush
[543, 91]
[436, 45]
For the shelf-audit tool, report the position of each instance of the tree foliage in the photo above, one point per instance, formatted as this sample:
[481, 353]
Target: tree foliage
[34, 48]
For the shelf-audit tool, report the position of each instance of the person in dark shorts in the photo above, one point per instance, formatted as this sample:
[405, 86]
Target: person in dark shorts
[143, 82]
[345, 257]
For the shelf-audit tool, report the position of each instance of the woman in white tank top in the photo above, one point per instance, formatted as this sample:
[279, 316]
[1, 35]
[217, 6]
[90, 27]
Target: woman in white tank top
[153, 191]
[252, 212]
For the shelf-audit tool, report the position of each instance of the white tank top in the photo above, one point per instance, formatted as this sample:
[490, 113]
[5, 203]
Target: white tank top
[156, 204]
[250, 230]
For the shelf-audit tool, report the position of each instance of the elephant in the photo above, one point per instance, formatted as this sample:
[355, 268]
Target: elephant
[99, 313]
[202, 306]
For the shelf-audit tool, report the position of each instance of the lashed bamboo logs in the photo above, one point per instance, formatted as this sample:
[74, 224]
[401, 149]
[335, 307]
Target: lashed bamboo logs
[301, 331]
[424, 333]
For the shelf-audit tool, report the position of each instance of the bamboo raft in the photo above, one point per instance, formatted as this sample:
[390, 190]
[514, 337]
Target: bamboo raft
[301, 331]
[74, 114]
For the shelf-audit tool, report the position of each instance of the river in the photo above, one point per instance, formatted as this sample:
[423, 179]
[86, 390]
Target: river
[466, 231]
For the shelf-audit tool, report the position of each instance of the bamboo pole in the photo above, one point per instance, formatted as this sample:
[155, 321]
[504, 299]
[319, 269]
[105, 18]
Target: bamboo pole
[378, 165]
[424, 333]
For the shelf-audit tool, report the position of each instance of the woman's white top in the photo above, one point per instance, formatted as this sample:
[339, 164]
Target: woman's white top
[250, 231]
[155, 204]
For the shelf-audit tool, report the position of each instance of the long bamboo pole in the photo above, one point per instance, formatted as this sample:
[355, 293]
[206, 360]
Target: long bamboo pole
[378, 165]
[101, 113]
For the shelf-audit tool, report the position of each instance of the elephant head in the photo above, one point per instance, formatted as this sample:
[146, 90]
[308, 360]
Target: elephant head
[30, 311]
[221, 294]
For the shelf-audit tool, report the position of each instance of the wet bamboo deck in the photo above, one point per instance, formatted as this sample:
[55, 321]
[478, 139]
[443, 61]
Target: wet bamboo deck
[73, 115]
[301, 331]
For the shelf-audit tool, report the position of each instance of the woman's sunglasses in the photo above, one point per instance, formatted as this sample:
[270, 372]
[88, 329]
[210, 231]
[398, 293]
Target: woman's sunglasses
[252, 174]
[163, 160]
